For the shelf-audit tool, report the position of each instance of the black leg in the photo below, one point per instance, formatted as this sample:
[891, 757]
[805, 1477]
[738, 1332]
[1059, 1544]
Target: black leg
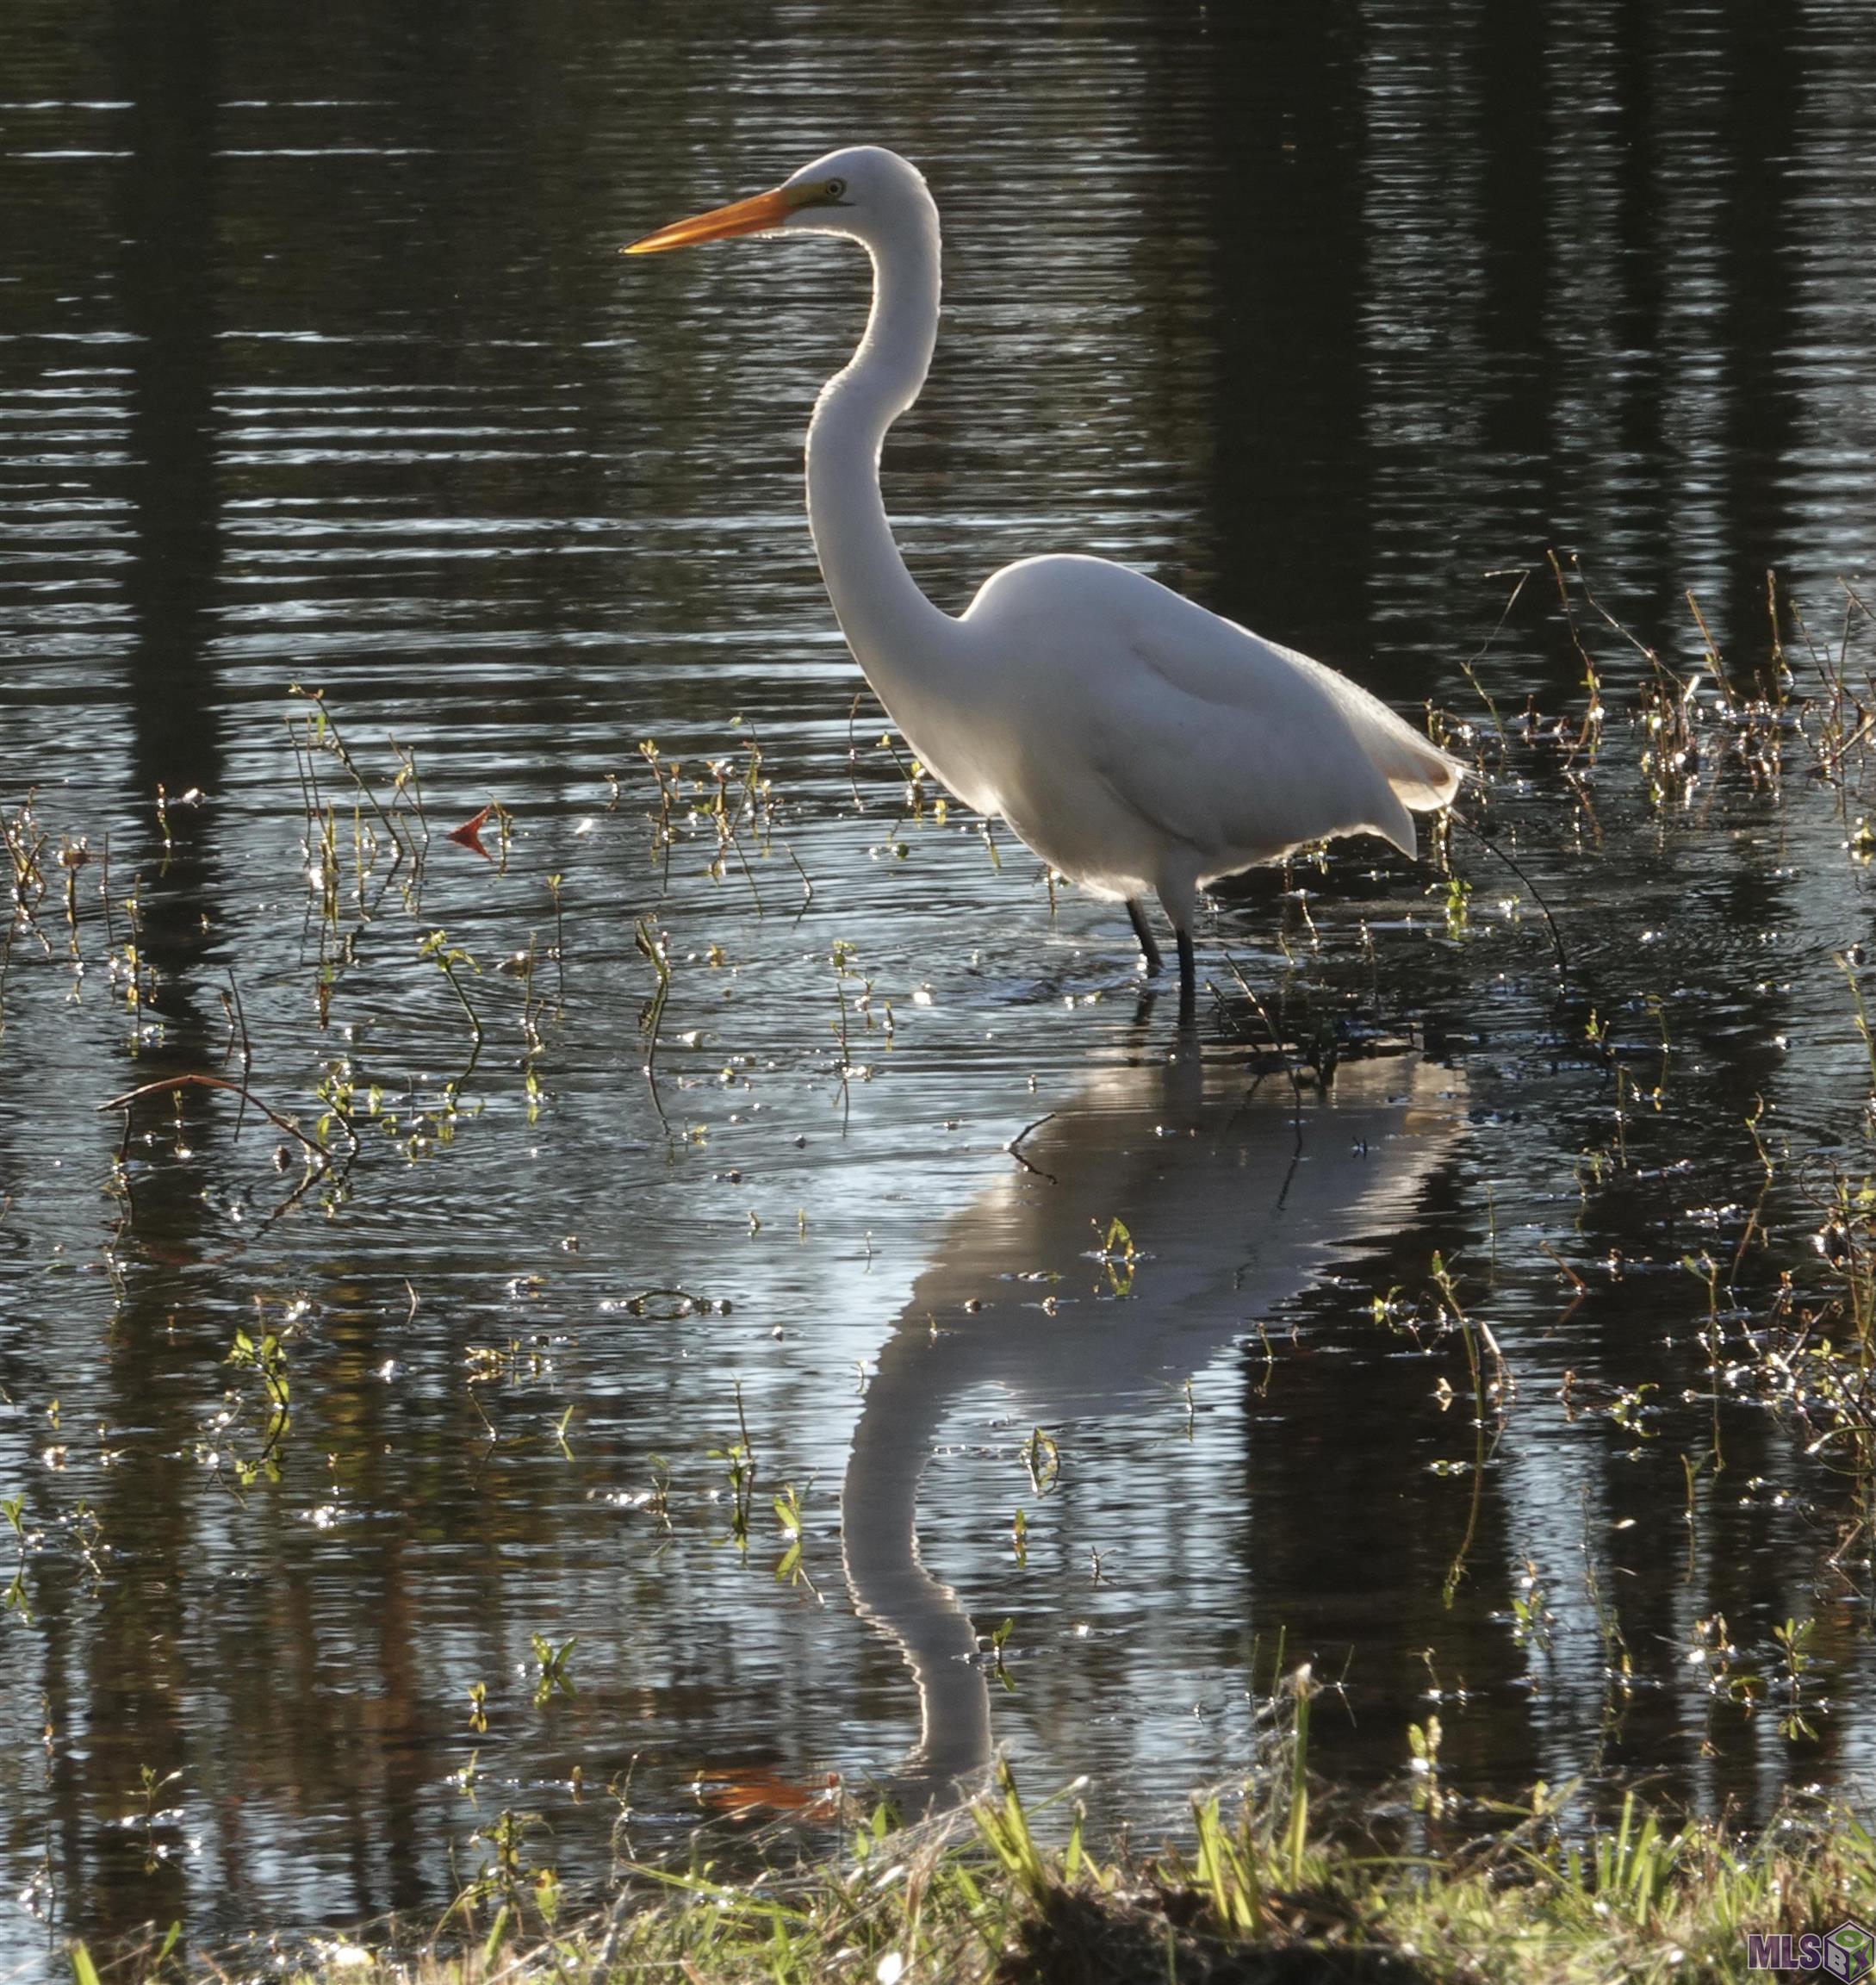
[1149, 950]
[1187, 980]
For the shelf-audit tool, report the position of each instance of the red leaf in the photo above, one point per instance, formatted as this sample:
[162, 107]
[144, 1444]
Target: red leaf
[741, 1791]
[469, 834]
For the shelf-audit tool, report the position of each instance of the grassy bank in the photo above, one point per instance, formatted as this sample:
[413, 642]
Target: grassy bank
[1249, 1893]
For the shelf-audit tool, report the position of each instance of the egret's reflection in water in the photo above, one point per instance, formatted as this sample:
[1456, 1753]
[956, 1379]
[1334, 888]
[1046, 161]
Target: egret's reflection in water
[1235, 1200]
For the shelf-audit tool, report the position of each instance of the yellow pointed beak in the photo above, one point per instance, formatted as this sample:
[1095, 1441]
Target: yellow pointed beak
[742, 217]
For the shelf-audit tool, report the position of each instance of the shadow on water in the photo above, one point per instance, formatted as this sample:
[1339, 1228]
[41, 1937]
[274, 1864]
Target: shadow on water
[1285, 107]
[1758, 111]
[1243, 1197]
[169, 54]
[125, 1671]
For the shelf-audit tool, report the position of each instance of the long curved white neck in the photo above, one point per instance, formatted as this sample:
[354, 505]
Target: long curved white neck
[905, 644]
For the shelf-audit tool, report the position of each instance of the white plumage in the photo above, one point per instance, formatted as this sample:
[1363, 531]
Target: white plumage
[1136, 743]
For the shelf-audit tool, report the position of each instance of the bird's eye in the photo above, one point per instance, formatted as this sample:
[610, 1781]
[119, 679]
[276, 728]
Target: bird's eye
[835, 188]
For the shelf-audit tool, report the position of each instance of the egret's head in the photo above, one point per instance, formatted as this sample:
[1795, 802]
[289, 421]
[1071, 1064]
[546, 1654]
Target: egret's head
[863, 191]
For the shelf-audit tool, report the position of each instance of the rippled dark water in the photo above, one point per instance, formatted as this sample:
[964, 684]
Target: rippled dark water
[318, 367]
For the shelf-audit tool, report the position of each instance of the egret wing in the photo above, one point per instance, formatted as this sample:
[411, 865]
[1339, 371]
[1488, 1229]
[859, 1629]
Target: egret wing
[1209, 734]
[1237, 745]
[1247, 781]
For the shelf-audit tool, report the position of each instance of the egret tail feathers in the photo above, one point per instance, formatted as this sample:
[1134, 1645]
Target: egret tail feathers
[1420, 778]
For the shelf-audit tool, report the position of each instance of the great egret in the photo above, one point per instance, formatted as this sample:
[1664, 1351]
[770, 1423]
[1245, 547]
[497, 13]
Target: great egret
[1133, 740]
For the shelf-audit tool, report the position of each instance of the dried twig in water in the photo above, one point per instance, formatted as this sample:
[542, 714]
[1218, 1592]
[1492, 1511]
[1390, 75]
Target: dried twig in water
[321, 1153]
[231, 1002]
[1492, 847]
[646, 939]
[1013, 1149]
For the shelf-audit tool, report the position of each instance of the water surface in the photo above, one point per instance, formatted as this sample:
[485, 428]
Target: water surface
[318, 367]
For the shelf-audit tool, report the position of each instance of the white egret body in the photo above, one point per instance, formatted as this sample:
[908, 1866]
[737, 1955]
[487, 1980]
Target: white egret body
[1133, 740]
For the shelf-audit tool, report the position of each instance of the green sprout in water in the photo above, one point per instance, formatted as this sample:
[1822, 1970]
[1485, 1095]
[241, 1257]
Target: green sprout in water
[739, 1459]
[13, 1509]
[1530, 1611]
[451, 959]
[789, 1568]
[1423, 1742]
[1117, 1255]
[507, 1879]
[264, 1351]
[154, 1785]
[999, 1639]
[1043, 1459]
[1794, 1639]
[552, 1678]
